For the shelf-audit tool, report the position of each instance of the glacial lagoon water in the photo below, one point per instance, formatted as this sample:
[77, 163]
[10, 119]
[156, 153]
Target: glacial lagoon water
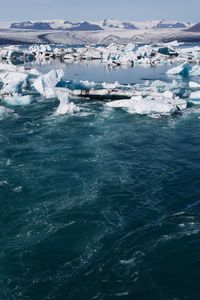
[102, 204]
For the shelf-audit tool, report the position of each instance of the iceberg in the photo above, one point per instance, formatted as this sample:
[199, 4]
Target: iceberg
[65, 107]
[16, 99]
[42, 51]
[13, 82]
[173, 44]
[183, 70]
[195, 71]
[80, 85]
[110, 86]
[156, 103]
[103, 94]
[130, 47]
[113, 55]
[11, 52]
[194, 85]
[45, 84]
[143, 106]
[195, 97]
[88, 85]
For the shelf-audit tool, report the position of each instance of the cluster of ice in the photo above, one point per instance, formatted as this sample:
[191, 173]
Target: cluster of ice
[15, 53]
[19, 85]
[194, 87]
[42, 51]
[112, 55]
[15, 83]
[156, 97]
[117, 54]
[150, 54]
[152, 101]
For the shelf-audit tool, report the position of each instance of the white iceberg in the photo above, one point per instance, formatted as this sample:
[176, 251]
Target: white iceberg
[130, 47]
[65, 107]
[194, 85]
[16, 99]
[161, 104]
[143, 106]
[195, 71]
[45, 84]
[195, 97]
[172, 44]
[11, 52]
[13, 82]
[183, 69]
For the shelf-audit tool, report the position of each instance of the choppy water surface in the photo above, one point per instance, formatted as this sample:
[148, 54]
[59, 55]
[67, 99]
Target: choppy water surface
[99, 205]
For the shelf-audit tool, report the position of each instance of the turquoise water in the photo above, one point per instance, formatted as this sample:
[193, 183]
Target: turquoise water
[100, 205]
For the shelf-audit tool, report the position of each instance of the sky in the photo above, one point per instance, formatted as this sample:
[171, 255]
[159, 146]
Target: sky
[75, 10]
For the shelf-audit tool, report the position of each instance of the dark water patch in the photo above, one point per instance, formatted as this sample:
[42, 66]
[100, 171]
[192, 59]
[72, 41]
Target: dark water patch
[100, 206]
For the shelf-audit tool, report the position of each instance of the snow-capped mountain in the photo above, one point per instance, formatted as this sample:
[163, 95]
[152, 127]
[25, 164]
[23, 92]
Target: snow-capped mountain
[107, 24]
[56, 25]
[110, 23]
[172, 24]
[149, 24]
[195, 28]
[31, 25]
[160, 24]
[85, 26]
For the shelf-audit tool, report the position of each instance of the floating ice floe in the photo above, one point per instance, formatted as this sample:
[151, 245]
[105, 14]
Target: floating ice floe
[143, 107]
[42, 51]
[13, 82]
[185, 70]
[194, 85]
[114, 91]
[102, 90]
[11, 52]
[195, 71]
[65, 106]
[17, 99]
[46, 83]
[13, 85]
[195, 97]
[14, 53]
[162, 104]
